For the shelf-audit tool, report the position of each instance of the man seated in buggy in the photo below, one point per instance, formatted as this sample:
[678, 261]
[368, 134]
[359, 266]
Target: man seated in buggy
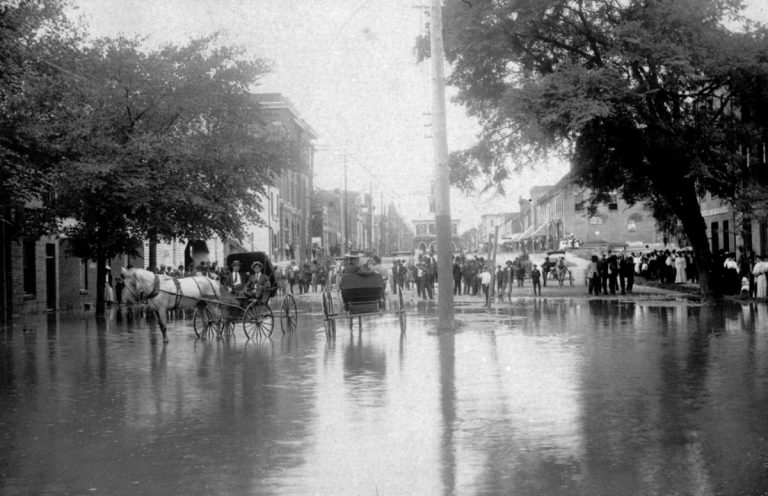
[258, 286]
[361, 286]
[234, 281]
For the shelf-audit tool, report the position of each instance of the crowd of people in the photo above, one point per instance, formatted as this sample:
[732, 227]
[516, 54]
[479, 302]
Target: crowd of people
[610, 273]
[743, 275]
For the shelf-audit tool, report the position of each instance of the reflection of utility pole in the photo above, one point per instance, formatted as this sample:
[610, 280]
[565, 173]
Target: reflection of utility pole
[442, 187]
[371, 230]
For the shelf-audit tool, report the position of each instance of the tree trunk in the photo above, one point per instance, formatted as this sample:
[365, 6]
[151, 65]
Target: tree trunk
[696, 230]
[101, 275]
[152, 263]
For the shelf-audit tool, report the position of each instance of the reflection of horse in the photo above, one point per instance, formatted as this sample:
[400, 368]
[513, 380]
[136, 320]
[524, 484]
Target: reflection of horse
[165, 293]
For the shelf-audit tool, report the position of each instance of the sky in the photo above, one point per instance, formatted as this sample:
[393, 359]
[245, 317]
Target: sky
[349, 69]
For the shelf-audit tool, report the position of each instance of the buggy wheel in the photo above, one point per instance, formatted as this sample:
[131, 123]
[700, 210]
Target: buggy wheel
[288, 314]
[227, 327]
[257, 319]
[330, 321]
[327, 304]
[204, 321]
[401, 310]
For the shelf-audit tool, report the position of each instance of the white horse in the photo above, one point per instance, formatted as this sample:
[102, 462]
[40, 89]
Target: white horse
[164, 293]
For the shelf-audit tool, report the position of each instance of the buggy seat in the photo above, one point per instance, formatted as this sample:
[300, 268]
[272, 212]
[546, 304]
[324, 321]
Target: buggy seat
[362, 293]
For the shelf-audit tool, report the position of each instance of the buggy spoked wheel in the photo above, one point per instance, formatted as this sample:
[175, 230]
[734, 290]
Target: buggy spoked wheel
[330, 320]
[227, 327]
[401, 310]
[258, 320]
[288, 314]
[204, 321]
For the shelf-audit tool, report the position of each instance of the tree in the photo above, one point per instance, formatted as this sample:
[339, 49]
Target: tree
[33, 36]
[162, 144]
[646, 97]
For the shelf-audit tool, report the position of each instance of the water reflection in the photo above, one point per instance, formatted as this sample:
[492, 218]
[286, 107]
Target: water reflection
[541, 396]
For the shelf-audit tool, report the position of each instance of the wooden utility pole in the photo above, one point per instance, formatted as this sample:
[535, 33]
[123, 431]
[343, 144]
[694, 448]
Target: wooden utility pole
[344, 224]
[492, 251]
[442, 186]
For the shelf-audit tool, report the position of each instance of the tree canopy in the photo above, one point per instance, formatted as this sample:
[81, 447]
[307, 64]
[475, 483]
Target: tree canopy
[33, 35]
[109, 142]
[174, 138]
[656, 99]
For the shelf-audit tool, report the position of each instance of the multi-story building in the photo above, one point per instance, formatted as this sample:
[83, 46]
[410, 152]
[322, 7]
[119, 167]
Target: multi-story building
[560, 212]
[327, 222]
[726, 231]
[285, 231]
[395, 233]
[295, 186]
[488, 224]
[425, 240]
[354, 222]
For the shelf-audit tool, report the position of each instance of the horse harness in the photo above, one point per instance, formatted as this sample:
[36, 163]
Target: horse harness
[179, 294]
[141, 296]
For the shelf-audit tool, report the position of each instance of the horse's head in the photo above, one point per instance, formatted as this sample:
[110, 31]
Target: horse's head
[138, 284]
[131, 290]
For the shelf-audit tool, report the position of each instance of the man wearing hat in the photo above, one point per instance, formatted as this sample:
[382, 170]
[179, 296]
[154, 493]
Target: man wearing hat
[234, 281]
[258, 286]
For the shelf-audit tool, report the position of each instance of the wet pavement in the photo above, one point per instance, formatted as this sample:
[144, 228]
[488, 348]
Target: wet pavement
[551, 396]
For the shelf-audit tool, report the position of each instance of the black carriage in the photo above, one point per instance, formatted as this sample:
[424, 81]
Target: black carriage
[560, 274]
[362, 294]
[255, 314]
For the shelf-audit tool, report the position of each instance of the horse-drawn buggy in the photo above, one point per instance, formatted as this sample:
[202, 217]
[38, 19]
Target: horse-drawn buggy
[248, 303]
[363, 293]
[218, 308]
[561, 269]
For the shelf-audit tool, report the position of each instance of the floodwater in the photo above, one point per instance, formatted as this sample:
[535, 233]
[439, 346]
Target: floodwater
[552, 397]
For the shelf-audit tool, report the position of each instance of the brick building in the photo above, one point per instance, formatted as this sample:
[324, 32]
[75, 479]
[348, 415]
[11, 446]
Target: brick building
[727, 232]
[561, 213]
[40, 276]
[327, 221]
[425, 240]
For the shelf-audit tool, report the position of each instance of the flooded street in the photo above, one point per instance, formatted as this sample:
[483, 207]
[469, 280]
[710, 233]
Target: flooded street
[540, 397]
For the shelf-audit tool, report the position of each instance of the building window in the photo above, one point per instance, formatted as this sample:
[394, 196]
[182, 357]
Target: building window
[579, 206]
[726, 236]
[28, 266]
[84, 267]
[613, 203]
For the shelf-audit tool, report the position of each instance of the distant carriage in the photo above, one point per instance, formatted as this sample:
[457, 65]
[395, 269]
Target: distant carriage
[561, 269]
[362, 295]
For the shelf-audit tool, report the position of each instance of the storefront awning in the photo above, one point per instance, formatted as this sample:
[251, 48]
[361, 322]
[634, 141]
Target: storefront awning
[528, 232]
[540, 230]
[511, 238]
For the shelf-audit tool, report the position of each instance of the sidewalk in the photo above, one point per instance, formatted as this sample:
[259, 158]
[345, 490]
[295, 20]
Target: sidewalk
[552, 290]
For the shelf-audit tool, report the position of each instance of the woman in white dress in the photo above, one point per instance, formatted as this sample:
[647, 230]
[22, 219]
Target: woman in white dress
[680, 276]
[109, 295]
[760, 271]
